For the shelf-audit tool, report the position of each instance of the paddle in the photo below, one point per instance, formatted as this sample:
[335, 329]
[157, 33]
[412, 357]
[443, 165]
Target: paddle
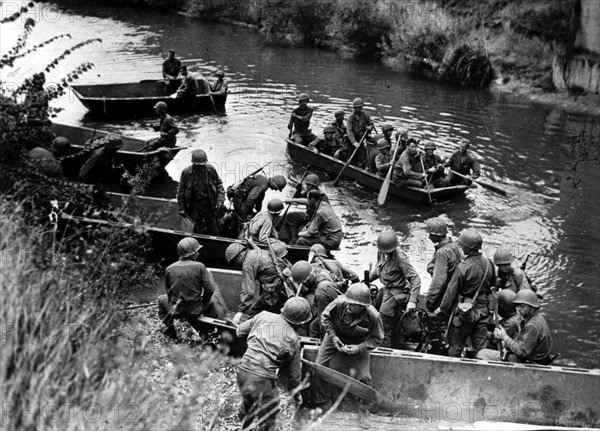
[482, 184]
[213, 103]
[341, 174]
[282, 220]
[385, 187]
[426, 180]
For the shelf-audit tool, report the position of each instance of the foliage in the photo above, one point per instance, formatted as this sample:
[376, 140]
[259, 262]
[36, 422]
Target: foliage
[312, 18]
[466, 66]
[359, 25]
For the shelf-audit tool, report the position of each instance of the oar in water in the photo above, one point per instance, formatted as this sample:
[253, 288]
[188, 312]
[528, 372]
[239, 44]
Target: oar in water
[482, 184]
[341, 174]
[385, 187]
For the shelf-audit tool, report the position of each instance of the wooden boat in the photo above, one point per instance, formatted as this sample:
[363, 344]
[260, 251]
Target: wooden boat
[129, 155]
[137, 99]
[440, 389]
[333, 165]
[163, 224]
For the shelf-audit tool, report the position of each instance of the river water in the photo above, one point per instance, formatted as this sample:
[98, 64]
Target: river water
[546, 159]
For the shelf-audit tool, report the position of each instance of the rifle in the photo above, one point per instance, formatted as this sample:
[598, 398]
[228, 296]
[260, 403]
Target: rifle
[289, 290]
[524, 264]
[282, 220]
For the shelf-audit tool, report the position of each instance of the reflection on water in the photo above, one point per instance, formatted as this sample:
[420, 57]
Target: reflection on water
[552, 206]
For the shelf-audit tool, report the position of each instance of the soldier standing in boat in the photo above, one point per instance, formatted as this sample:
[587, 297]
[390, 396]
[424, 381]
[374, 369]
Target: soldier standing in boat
[401, 285]
[170, 72]
[201, 194]
[359, 123]
[299, 124]
[167, 127]
[467, 297]
[353, 328]
[220, 85]
[190, 288]
[273, 345]
[463, 162]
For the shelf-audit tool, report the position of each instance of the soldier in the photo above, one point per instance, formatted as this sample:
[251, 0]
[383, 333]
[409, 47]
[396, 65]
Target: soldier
[299, 124]
[401, 285]
[190, 288]
[248, 195]
[509, 277]
[342, 134]
[359, 123]
[386, 134]
[296, 219]
[324, 227]
[201, 194]
[258, 268]
[533, 343]
[320, 258]
[319, 289]
[48, 162]
[434, 166]
[189, 85]
[220, 85]
[408, 171]
[170, 72]
[273, 345]
[353, 328]
[446, 258]
[466, 298]
[383, 161]
[329, 144]
[463, 162]
[167, 127]
[99, 168]
[261, 227]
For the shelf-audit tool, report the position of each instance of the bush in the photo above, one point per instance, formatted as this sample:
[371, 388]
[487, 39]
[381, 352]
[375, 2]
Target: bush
[312, 18]
[464, 65]
[360, 26]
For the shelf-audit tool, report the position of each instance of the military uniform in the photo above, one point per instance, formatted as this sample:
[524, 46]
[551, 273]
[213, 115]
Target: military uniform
[261, 228]
[407, 171]
[325, 228]
[301, 126]
[446, 258]
[463, 164]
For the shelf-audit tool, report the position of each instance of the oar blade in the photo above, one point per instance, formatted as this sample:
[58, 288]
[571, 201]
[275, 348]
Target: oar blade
[492, 188]
[384, 191]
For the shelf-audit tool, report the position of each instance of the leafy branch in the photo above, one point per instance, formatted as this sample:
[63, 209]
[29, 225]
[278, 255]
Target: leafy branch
[17, 14]
[8, 60]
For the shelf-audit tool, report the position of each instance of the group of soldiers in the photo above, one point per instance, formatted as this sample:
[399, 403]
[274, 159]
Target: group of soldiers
[413, 166]
[488, 308]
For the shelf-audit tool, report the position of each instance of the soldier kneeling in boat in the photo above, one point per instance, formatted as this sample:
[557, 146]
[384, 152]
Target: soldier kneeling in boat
[352, 329]
[324, 227]
[434, 166]
[408, 171]
[261, 228]
[190, 288]
[533, 342]
[167, 127]
[461, 163]
[329, 144]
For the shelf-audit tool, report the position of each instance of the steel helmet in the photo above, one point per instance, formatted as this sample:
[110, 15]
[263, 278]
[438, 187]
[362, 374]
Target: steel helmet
[275, 205]
[506, 299]
[220, 73]
[302, 97]
[387, 128]
[436, 226]
[383, 143]
[527, 296]
[296, 311]
[429, 146]
[301, 271]
[279, 247]
[328, 129]
[502, 257]
[199, 156]
[188, 246]
[339, 114]
[161, 106]
[279, 182]
[113, 141]
[470, 239]
[387, 241]
[358, 103]
[61, 145]
[358, 293]
[319, 250]
[313, 180]
[233, 251]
